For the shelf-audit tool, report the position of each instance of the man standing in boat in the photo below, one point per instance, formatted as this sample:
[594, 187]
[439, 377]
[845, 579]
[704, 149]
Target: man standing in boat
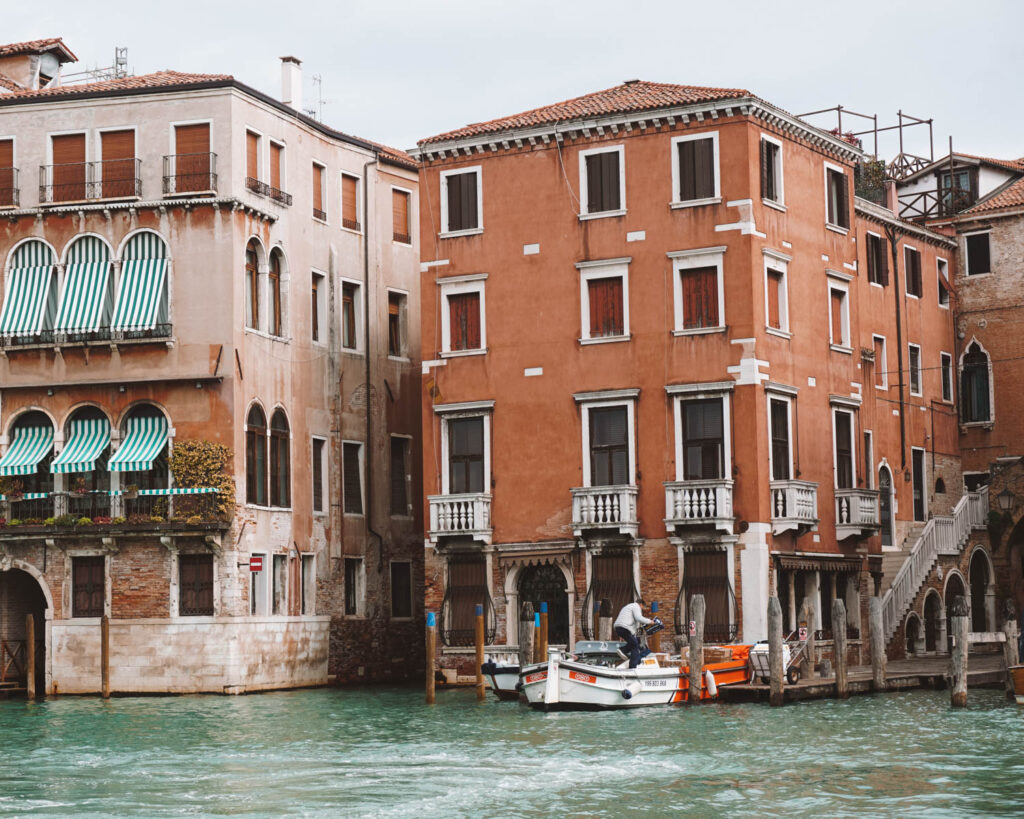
[627, 625]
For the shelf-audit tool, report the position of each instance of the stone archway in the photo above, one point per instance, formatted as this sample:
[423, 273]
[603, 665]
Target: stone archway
[955, 587]
[545, 583]
[912, 633]
[982, 592]
[21, 594]
[932, 621]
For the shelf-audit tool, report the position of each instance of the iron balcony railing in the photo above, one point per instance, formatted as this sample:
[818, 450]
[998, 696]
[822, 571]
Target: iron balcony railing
[280, 196]
[143, 508]
[82, 181]
[45, 337]
[190, 173]
[320, 214]
[9, 191]
[257, 187]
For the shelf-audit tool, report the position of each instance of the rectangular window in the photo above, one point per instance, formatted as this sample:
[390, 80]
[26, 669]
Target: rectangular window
[839, 316]
[605, 296]
[942, 268]
[89, 588]
[700, 297]
[319, 206]
[771, 170]
[869, 458]
[396, 325]
[912, 266]
[68, 169]
[400, 476]
[193, 162]
[878, 259]
[352, 466]
[319, 460]
[946, 367]
[917, 460]
[466, 455]
[195, 585]
[350, 316]
[881, 369]
[601, 180]
[252, 161]
[915, 369]
[703, 439]
[401, 228]
[280, 581]
[8, 188]
[401, 590]
[978, 258]
[350, 202]
[258, 585]
[464, 321]
[119, 176]
[308, 584]
[276, 165]
[696, 168]
[316, 305]
[460, 201]
[844, 449]
[354, 586]
[776, 298]
[837, 197]
[609, 446]
[779, 419]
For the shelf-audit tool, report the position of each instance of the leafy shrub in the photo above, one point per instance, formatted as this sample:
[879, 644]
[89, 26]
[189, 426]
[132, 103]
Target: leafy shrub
[83, 522]
[199, 463]
[65, 520]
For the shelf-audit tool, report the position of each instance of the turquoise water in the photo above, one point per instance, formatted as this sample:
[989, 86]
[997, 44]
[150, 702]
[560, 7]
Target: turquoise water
[384, 753]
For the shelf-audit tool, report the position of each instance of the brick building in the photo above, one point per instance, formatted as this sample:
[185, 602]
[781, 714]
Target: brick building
[667, 352]
[202, 264]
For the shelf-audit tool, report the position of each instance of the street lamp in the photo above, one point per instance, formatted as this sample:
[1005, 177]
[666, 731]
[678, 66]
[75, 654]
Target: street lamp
[1005, 499]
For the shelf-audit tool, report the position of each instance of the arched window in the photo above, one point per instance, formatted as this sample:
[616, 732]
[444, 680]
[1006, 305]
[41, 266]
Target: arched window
[276, 327]
[280, 466]
[252, 285]
[974, 385]
[885, 503]
[940, 486]
[30, 294]
[256, 457]
[25, 467]
[142, 456]
[82, 463]
[142, 308]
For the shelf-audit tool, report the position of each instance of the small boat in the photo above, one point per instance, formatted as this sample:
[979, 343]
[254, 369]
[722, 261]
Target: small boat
[595, 676]
[503, 676]
[1017, 675]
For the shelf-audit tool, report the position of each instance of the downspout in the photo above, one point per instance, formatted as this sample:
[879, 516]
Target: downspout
[366, 353]
[893, 236]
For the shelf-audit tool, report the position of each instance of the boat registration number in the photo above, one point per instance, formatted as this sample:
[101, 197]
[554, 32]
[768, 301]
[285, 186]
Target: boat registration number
[579, 676]
[540, 675]
[655, 683]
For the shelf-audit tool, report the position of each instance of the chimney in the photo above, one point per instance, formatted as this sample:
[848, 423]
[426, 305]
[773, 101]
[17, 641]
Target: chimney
[291, 82]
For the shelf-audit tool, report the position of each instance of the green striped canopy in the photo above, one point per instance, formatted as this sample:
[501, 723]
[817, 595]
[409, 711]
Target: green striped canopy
[27, 288]
[145, 438]
[30, 446]
[86, 282]
[142, 283]
[89, 437]
[177, 490]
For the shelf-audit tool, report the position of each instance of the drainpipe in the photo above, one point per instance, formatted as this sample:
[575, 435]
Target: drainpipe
[366, 353]
[894, 236]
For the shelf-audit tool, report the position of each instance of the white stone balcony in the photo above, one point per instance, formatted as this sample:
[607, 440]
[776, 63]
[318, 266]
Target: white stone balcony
[467, 515]
[699, 503]
[856, 513]
[605, 507]
[794, 506]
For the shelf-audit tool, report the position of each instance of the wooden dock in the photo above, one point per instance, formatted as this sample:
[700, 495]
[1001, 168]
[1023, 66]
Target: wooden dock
[919, 672]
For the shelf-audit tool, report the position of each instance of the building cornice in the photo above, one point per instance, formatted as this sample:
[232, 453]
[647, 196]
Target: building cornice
[870, 210]
[186, 203]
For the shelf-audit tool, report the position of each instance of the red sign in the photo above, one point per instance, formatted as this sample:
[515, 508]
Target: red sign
[693, 628]
[255, 563]
[803, 634]
[581, 677]
[540, 675]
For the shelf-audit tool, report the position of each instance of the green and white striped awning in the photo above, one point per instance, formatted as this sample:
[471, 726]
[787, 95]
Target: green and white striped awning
[141, 289]
[144, 440]
[89, 437]
[29, 496]
[27, 288]
[177, 490]
[30, 446]
[86, 285]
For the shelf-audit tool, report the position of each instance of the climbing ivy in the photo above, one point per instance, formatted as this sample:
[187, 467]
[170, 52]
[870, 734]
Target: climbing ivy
[198, 463]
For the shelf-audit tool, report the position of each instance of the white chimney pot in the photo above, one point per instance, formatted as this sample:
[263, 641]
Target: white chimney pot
[291, 82]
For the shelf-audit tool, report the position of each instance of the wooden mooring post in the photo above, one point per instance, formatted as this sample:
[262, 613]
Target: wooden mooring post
[839, 646]
[777, 673]
[958, 659]
[431, 651]
[654, 642]
[809, 670]
[537, 656]
[544, 631]
[605, 621]
[525, 634]
[30, 657]
[1011, 653]
[878, 658]
[481, 688]
[105, 656]
[696, 658]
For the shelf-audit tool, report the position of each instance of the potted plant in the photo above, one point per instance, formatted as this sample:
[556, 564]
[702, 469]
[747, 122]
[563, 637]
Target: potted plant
[130, 492]
[12, 489]
[78, 486]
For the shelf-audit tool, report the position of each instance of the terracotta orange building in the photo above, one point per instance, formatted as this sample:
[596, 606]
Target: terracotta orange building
[667, 351]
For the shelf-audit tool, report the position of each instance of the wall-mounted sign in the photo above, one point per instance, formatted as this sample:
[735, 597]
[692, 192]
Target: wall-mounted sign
[255, 563]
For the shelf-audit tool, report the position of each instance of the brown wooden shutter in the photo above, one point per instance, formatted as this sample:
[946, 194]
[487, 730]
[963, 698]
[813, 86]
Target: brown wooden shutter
[844, 453]
[118, 150]
[252, 158]
[192, 139]
[68, 167]
[349, 205]
[879, 363]
[844, 201]
[700, 297]
[606, 314]
[7, 192]
[774, 295]
[275, 166]
[400, 216]
[883, 260]
[192, 164]
[836, 298]
[704, 168]
[462, 202]
[352, 479]
[318, 188]
[766, 193]
[464, 318]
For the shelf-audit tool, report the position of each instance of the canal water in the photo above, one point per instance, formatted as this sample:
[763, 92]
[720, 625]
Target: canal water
[382, 752]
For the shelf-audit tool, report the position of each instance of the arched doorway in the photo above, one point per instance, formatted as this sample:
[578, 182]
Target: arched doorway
[980, 579]
[885, 504]
[932, 626]
[913, 633]
[954, 589]
[20, 595]
[546, 584]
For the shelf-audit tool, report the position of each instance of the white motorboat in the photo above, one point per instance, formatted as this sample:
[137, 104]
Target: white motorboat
[503, 676]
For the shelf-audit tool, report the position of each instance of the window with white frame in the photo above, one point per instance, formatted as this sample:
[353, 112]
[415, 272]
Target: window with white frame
[869, 459]
[463, 315]
[839, 314]
[975, 385]
[258, 597]
[698, 290]
[352, 477]
[351, 315]
[604, 300]
[780, 435]
[695, 176]
[462, 204]
[881, 369]
[355, 587]
[946, 369]
[837, 197]
[465, 447]
[351, 205]
[912, 271]
[978, 253]
[703, 446]
[942, 275]
[844, 462]
[771, 170]
[877, 253]
[603, 181]
[398, 346]
[609, 450]
[317, 293]
[914, 365]
[776, 291]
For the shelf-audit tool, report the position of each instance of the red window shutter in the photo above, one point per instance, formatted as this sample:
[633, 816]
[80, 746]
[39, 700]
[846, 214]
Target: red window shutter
[192, 164]
[464, 321]
[252, 150]
[883, 258]
[836, 297]
[774, 293]
[6, 171]
[400, 216]
[606, 314]
[118, 149]
[700, 297]
[766, 193]
[275, 167]
[349, 205]
[318, 186]
[68, 167]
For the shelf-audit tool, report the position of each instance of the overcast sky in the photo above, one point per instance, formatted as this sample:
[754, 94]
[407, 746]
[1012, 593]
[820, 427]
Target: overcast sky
[398, 70]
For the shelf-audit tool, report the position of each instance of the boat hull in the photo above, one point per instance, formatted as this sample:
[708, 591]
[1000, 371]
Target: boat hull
[503, 678]
[1017, 675]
